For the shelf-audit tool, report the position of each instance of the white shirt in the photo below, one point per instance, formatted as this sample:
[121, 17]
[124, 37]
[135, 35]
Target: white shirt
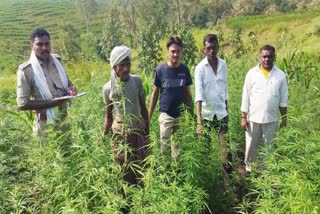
[211, 89]
[262, 97]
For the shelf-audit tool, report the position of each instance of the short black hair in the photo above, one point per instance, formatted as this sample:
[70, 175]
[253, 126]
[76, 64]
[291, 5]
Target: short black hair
[39, 32]
[269, 48]
[210, 38]
[174, 40]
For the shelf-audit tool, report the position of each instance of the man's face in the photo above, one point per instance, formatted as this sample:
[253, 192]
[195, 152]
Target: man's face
[123, 70]
[41, 47]
[267, 59]
[174, 54]
[211, 50]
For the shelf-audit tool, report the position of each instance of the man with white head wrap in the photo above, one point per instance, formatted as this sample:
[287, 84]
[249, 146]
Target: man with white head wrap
[41, 79]
[126, 113]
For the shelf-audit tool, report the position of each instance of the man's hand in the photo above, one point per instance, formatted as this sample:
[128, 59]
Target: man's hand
[283, 112]
[244, 123]
[283, 123]
[199, 129]
[106, 128]
[141, 125]
[72, 91]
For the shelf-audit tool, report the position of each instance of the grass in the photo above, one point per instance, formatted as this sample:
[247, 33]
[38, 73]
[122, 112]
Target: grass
[299, 28]
[8, 83]
[19, 18]
[75, 173]
[79, 175]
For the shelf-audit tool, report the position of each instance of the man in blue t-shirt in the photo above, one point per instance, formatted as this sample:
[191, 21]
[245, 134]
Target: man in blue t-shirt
[172, 79]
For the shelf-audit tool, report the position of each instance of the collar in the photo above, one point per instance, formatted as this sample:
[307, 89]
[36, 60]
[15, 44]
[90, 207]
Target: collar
[258, 67]
[50, 62]
[206, 62]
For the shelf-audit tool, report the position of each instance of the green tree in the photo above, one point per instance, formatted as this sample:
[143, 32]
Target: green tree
[149, 48]
[238, 48]
[112, 34]
[68, 46]
[88, 8]
[243, 7]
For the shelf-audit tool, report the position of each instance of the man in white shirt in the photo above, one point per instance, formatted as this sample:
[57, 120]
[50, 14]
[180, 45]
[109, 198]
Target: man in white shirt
[211, 95]
[265, 94]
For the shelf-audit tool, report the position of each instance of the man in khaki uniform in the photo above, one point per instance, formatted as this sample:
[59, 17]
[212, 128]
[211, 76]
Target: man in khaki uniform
[40, 80]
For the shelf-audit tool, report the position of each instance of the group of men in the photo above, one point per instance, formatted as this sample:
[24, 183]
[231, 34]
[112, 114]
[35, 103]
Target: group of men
[265, 94]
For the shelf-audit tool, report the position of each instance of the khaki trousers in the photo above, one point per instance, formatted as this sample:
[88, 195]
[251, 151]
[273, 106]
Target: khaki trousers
[257, 134]
[168, 126]
[40, 126]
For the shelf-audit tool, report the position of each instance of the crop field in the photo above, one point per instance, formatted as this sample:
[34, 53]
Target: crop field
[19, 18]
[74, 172]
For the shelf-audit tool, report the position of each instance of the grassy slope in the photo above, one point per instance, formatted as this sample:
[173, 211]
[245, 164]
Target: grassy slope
[18, 18]
[285, 31]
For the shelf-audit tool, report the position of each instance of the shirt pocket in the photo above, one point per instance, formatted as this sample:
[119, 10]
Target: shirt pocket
[259, 88]
[274, 88]
[221, 82]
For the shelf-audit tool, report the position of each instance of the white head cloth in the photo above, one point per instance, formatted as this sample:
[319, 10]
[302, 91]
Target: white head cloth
[42, 84]
[118, 54]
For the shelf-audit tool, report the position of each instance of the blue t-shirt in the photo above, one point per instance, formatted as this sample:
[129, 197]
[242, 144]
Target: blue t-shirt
[172, 83]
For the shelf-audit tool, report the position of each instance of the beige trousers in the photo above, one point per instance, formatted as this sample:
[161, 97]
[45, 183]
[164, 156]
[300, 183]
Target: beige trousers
[257, 134]
[168, 126]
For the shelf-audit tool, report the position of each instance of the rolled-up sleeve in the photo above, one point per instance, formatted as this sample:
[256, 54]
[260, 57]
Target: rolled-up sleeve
[226, 80]
[23, 89]
[246, 95]
[106, 93]
[198, 84]
[140, 87]
[284, 93]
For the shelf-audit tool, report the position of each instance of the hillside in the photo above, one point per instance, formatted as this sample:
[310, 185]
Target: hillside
[299, 30]
[18, 18]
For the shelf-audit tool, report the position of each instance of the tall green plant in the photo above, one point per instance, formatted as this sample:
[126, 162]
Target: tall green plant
[111, 36]
[238, 48]
[300, 67]
[149, 48]
[68, 46]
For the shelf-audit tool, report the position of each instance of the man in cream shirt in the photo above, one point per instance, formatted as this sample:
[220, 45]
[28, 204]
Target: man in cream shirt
[211, 96]
[265, 94]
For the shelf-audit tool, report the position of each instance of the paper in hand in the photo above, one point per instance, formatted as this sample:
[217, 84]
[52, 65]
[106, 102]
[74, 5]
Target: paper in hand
[70, 96]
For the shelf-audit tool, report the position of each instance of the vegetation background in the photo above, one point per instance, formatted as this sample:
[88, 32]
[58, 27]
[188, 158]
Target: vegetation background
[74, 172]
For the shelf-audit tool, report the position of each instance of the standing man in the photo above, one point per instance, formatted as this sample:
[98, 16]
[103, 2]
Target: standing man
[265, 93]
[39, 81]
[211, 95]
[172, 79]
[126, 114]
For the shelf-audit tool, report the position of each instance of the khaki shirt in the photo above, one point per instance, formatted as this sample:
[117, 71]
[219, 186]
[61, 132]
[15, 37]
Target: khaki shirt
[125, 110]
[27, 88]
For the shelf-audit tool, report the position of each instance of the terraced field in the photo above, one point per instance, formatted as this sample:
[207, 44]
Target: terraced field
[18, 18]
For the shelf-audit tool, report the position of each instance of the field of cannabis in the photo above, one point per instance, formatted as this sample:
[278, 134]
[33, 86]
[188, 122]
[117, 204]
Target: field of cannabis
[74, 172]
